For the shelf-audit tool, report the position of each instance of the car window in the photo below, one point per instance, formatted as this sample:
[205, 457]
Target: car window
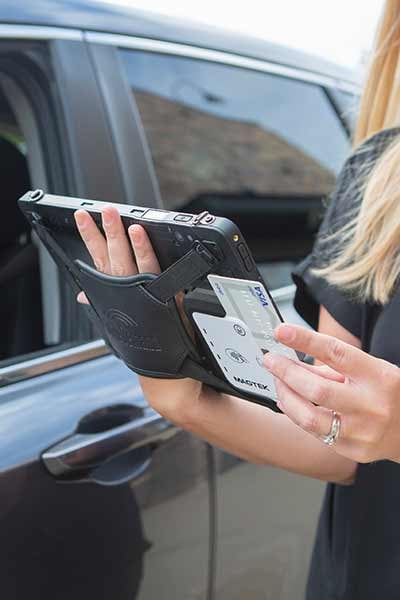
[30, 289]
[258, 148]
[20, 301]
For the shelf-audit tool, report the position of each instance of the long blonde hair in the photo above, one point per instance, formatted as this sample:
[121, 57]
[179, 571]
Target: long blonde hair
[368, 263]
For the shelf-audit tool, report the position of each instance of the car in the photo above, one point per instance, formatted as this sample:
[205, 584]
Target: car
[100, 496]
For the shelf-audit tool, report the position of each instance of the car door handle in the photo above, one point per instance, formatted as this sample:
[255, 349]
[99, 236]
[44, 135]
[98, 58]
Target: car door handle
[85, 451]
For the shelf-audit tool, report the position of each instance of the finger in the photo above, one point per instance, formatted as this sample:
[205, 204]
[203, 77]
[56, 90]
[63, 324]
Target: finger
[82, 298]
[324, 371]
[93, 239]
[145, 257]
[119, 249]
[318, 390]
[316, 420]
[338, 355]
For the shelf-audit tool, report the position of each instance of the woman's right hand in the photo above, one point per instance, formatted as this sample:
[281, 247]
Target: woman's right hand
[122, 255]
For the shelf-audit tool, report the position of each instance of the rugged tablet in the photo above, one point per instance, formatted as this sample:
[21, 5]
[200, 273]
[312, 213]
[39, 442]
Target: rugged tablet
[201, 255]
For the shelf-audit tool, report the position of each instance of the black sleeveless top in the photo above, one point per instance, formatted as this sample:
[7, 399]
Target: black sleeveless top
[357, 549]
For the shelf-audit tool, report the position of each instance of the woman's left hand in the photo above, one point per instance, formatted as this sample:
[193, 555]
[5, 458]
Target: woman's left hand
[366, 397]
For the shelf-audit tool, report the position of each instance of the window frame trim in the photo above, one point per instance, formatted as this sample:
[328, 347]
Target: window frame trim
[10, 31]
[51, 362]
[217, 56]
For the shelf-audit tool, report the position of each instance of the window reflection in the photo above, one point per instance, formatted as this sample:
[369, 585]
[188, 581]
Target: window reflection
[257, 148]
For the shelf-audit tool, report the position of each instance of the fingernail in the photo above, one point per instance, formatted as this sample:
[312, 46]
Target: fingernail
[135, 234]
[82, 298]
[285, 333]
[80, 219]
[269, 360]
[108, 218]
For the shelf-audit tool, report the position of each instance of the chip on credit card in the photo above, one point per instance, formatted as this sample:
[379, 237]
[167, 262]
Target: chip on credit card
[239, 340]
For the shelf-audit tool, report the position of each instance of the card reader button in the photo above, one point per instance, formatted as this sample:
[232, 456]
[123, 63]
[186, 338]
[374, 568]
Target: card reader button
[183, 218]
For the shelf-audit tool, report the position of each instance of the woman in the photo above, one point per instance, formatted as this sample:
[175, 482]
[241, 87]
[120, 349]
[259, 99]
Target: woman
[341, 417]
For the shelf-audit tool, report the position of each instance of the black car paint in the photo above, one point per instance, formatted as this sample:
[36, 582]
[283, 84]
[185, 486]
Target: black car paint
[82, 540]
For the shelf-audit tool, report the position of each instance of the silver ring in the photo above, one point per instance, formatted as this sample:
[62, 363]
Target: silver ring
[333, 435]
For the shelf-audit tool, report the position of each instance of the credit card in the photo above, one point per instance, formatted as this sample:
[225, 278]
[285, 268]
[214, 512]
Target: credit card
[250, 302]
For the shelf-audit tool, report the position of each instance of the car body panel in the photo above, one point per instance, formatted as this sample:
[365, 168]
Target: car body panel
[126, 533]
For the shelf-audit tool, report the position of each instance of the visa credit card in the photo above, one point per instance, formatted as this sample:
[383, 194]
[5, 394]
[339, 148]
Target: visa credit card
[239, 340]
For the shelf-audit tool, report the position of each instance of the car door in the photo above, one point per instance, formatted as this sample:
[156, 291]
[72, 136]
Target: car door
[101, 497]
[245, 140]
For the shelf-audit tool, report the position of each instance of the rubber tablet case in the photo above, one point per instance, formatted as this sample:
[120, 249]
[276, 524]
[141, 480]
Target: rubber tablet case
[138, 316]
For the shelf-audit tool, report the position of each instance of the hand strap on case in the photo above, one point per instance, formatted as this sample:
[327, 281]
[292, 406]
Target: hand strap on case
[183, 274]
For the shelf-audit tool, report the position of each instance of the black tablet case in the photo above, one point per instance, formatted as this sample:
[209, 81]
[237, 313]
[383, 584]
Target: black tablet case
[139, 319]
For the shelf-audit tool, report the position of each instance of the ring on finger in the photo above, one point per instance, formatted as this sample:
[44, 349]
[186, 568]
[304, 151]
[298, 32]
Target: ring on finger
[334, 433]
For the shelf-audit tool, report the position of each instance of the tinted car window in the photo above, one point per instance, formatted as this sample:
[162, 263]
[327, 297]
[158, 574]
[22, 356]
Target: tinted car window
[261, 149]
[21, 318]
[29, 299]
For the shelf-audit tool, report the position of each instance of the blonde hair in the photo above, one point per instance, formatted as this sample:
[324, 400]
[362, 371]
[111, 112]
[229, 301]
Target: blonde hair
[368, 263]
